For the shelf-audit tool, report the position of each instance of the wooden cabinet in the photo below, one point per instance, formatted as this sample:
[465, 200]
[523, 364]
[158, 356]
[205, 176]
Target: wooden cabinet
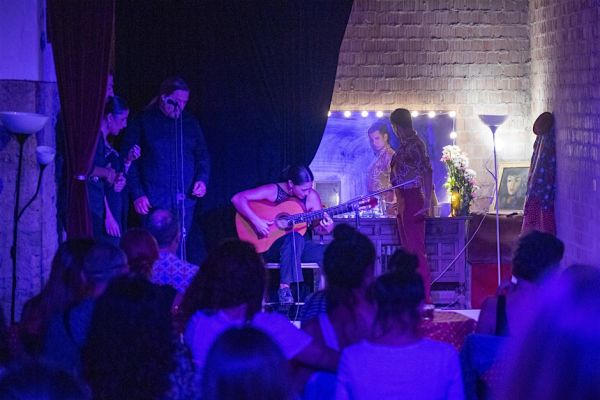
[446, 254]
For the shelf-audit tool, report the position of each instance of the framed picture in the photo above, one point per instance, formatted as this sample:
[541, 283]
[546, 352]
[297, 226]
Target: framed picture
[512, 186]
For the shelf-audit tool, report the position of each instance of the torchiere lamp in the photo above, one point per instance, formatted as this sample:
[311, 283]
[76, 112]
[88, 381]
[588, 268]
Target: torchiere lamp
[22, 125]
[493, 122]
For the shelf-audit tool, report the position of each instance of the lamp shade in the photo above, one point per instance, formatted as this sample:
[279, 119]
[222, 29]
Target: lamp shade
[22, 122]
[45, 154]
[493, 120]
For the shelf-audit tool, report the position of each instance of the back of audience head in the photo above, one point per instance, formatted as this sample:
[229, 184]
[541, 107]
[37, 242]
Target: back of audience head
[141, 249]
[163, 225]
[399, 296]
[102, 263]
[537, 254]
[65, 285]
[36, 381]
[403, 261]
[348, 264]
[67, 266]
[232, 275]
[129, 351]
[558, 355]
[245, 364]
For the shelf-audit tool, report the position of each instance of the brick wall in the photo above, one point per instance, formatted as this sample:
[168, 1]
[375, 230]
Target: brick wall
[471, 56]
[565, 79]
[37, 238]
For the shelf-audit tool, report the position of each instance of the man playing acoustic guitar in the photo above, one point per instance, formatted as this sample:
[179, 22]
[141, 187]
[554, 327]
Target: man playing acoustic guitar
[260, 209]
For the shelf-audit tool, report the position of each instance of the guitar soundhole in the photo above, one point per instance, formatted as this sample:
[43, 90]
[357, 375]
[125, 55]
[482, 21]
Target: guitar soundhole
[283, 223]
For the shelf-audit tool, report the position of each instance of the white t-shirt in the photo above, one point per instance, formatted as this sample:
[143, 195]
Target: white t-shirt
[203, 329]
[424, 370]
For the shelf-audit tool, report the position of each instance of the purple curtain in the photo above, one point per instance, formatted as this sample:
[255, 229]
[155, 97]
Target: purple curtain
[81, 33]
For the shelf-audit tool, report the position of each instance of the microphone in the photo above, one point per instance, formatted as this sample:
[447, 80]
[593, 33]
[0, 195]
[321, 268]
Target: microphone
[172, 102]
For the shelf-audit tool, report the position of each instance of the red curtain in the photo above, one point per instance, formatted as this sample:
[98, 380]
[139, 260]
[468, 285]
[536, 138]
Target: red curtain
[81, 33]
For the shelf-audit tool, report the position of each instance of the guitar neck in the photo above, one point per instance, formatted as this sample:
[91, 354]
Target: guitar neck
[319, 214]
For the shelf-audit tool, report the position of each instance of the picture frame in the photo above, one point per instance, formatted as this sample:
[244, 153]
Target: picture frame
[512, 186]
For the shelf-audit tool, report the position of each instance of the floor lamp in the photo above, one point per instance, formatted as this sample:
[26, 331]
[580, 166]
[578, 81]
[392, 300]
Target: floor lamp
[22, 125]
[493, 122]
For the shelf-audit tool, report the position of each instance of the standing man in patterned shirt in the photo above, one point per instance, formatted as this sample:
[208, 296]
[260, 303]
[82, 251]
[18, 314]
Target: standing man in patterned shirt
[168, 269]
[414, 201]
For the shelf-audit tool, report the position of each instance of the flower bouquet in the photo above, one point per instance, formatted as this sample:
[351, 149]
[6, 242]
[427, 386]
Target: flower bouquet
[460, 182]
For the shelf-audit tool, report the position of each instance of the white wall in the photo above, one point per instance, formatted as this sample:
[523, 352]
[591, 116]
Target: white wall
[22, 36]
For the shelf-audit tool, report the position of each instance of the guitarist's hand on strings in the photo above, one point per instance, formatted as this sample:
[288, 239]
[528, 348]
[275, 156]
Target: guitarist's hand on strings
[326, 223]
[262, 227]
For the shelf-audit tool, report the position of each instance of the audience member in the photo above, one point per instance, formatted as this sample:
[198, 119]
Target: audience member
[348, 266]
[64, 289]
[558, 354]
[131, 351]
[245, 364]
[228, 291]
[168, 269]
[396, 362]
[537, 255]
[402, 261]
[142, 252]
[36, 381]
[67, 331]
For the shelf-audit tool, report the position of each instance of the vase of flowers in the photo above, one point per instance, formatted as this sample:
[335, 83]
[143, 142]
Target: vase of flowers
[460, 182]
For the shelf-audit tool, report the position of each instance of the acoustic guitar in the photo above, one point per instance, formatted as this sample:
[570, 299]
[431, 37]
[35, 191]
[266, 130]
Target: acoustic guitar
[288, 216]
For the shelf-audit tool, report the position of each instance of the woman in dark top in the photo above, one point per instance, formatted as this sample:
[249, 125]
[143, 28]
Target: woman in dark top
[107, 181]
[290, 250]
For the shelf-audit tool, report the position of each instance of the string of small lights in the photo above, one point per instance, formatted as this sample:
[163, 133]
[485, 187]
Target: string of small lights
[414, 114]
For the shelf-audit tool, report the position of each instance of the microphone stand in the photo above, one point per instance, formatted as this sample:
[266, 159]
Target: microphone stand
[180, 186]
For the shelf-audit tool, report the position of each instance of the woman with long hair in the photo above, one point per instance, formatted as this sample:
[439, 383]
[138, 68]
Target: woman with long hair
[348, 267]
[63, 289]
[142, 252]
[107, 181]
[396, 362]
[228, 292]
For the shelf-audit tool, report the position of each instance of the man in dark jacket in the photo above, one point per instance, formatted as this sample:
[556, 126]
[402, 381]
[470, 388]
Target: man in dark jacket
[173, 171]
